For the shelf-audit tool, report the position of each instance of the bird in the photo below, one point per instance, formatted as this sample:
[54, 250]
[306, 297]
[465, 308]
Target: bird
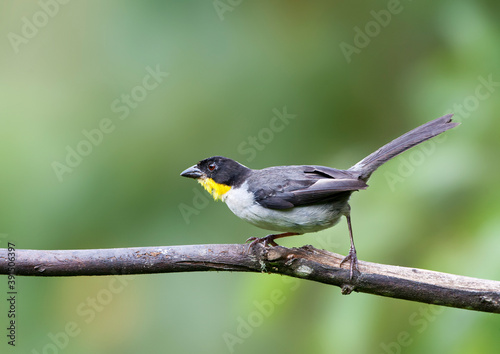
[298, 199]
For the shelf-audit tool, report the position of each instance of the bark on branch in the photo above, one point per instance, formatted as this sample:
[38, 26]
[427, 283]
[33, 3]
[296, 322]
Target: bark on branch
[305, 263]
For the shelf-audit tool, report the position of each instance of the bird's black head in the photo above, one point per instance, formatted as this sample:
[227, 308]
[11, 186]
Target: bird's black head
[220, 169]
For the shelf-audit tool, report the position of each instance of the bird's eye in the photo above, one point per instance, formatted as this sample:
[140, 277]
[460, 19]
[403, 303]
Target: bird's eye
[211, 166]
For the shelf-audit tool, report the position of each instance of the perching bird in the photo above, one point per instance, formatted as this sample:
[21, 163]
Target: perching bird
[294, 200]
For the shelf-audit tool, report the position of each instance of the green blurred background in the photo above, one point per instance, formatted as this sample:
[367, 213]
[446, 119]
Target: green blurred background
[353, 75]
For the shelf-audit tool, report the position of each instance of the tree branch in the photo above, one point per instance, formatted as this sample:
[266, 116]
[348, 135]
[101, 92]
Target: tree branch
[305, 262]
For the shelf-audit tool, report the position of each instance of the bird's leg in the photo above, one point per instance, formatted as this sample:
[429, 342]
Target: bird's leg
[351, 257]
[269, 239]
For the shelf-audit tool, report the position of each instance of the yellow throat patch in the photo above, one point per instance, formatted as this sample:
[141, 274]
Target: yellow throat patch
[217, 190]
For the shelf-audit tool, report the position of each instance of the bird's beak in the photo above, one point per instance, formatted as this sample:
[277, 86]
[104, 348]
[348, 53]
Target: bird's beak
[192, 172]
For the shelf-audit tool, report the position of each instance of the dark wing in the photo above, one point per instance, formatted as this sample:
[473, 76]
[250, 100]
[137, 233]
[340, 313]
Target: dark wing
[319, 185]
[329, 172]
[325, 190]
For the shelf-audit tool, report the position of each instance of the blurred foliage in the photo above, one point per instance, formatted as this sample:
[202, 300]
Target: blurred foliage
[68, 67]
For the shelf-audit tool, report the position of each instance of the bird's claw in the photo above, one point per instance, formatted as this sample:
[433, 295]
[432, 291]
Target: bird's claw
[352, 258]
[266, 241]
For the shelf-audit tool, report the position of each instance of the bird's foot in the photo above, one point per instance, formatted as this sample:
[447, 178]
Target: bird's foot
[352, 258]
[266, 241]
[269, 239]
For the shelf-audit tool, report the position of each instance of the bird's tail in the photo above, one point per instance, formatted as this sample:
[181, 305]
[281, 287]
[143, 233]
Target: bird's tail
[414, 137]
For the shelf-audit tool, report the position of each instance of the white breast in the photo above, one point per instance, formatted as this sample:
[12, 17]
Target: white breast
[299, 219]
